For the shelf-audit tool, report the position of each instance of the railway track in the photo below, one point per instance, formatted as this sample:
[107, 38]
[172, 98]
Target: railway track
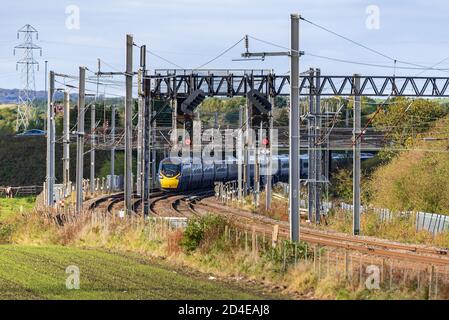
[385, 249]
[110, 202]
[200, 203]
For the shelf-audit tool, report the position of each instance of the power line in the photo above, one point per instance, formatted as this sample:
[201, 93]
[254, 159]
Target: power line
[414, 66]
[432, 67]
[220, 55]
[376, 65]
[164, 59]
[362, 45]
[348, 39]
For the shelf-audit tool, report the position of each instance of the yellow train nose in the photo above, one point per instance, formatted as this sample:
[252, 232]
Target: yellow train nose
[169, 183]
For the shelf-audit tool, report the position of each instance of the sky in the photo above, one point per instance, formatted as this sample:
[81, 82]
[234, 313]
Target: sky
[189, 33]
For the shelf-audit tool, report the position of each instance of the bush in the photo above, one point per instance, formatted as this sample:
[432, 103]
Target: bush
[203, 232]
[341, 187]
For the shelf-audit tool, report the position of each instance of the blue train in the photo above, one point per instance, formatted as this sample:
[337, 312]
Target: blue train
[181, 174]
[178, 174]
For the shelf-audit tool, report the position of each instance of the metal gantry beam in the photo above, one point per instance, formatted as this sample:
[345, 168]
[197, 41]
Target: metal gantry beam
[178, 83]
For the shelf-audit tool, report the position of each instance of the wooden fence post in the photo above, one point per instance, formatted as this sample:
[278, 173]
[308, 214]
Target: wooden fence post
[346, 265]
[253, 241]
[436, 284]
[432, 269]
[226, 233]
[275, 235]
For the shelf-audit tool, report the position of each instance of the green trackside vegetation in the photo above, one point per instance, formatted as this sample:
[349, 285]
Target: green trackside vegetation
[10, 207]
[31, 272]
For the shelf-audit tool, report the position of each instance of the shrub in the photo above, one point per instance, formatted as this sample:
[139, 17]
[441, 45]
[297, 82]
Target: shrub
[203, 232]
[342, 185]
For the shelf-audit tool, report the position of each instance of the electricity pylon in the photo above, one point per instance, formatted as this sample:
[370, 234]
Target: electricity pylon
[25, 108]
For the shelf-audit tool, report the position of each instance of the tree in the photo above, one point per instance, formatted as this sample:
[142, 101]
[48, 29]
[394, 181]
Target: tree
[281, 117]
[403, 119]
[119, 165]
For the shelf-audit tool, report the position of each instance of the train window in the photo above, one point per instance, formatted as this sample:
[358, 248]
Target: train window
[170, 170]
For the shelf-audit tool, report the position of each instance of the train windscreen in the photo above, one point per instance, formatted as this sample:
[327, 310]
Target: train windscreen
[170, 170]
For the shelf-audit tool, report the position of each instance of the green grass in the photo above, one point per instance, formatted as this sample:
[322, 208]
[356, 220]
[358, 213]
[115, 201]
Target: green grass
[10, 207]
[39, 273]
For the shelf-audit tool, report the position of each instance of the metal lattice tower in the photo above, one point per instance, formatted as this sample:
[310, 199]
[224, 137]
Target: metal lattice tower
[25, 108]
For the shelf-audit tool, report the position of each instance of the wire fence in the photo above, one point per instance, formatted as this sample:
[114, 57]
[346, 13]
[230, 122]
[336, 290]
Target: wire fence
[424, 221]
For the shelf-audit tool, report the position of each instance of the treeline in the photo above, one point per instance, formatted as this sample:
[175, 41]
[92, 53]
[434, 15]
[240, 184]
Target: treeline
[23, 161]
[412, 170]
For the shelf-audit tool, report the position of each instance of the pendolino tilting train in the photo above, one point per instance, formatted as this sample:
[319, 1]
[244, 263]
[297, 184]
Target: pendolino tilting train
[180, 174]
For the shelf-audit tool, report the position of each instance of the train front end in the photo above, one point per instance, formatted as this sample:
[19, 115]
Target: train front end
[170, 174]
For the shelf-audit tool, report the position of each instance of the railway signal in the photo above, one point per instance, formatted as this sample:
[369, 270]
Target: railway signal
[266, 142]
[259, 101]
[193, 101]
